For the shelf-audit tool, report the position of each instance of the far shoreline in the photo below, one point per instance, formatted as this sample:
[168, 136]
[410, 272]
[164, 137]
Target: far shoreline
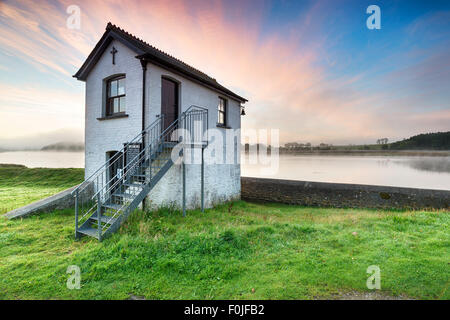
[283, 152]
[418, 153]
[39, 150]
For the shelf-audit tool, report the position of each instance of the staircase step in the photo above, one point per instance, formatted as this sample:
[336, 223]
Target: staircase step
[134, 185]
[132, 143]
[112, 206]
[143, 171]
[124, 195]
[89, 232]
[170, 144]
[159, 160]
[104, 219]
[166, 153]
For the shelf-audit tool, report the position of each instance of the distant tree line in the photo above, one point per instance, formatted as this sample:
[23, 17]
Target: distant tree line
[426, 141]
[64, 146]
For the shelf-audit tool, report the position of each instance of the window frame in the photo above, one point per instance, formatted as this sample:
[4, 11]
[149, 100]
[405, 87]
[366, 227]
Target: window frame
[223, 112]
[109, 110]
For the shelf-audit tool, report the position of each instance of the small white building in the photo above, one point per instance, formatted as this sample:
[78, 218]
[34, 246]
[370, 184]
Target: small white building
[136, 96]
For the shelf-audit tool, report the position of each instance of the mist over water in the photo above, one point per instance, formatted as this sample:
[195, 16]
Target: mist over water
[429, 172]
[44, 159]
[433, 164]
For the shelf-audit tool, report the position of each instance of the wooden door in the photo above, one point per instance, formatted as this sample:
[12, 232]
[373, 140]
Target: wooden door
[169, 101]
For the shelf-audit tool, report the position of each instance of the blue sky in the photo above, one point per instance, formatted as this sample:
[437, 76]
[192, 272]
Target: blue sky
[309, 68]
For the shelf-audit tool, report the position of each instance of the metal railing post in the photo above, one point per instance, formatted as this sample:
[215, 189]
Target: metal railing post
[150, 162]
[203, 182]
[124, 153]
[207, 125]
[184, 186]
[103, 184]
[99, 213]
[76, 213]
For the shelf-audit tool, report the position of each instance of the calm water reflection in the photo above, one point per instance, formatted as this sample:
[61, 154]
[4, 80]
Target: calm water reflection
[44, 159]
[401, 171]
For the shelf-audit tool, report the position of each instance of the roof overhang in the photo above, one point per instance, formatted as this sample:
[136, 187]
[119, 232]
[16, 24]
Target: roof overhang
[175, 69]
[98, 50]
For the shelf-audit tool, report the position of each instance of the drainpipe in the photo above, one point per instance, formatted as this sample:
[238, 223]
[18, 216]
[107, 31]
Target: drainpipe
[144, 72]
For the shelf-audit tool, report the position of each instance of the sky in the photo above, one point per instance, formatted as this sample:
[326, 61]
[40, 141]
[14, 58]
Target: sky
[311, 69]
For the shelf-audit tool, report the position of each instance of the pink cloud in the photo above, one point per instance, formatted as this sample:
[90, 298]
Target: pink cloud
[277, 72]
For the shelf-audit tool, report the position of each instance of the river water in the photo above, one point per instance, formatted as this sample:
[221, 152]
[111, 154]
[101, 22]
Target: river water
[429, 172]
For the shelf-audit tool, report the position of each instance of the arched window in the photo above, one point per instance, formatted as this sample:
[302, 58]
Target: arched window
[115, 99]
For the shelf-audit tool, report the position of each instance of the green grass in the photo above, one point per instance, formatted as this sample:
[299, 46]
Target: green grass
[237, 250]
[20, 185]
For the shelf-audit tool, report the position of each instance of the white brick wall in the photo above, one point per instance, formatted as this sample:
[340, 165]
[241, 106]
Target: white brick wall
[222, 181]
[110, 135]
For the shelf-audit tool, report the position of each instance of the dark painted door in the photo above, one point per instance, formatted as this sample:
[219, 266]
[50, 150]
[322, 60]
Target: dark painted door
[169, 101]
[115, 169]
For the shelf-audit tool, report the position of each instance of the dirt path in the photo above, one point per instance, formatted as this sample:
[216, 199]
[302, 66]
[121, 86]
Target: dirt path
[374, 295]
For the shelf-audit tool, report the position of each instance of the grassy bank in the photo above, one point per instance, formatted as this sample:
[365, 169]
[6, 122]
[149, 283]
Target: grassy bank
[20, 185]
[235, 251]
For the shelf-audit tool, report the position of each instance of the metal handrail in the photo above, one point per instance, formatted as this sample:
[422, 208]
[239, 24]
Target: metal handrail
[136, 163]
[125, 171]
[143, 151]
[104, 185]
[108, 164]
[108, 186]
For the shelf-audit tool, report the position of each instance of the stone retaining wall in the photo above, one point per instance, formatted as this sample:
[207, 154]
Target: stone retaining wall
[340, 195]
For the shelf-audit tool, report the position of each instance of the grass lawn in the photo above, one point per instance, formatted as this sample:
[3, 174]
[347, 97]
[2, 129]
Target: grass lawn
[237, 250]
[20, 186]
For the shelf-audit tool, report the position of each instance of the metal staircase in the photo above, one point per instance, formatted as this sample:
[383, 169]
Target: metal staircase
[123, 182]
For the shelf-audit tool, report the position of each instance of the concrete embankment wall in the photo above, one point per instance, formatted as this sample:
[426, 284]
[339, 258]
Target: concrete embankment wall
[61, 200]
[341, 195]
